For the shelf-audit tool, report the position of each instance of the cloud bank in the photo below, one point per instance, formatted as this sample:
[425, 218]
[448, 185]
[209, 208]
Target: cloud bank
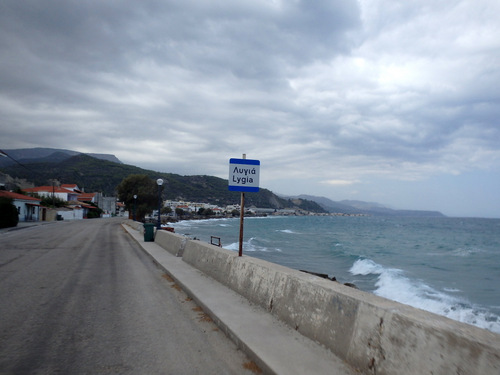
[367, 95]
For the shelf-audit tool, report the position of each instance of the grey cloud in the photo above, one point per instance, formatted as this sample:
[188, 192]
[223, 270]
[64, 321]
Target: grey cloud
[328, 90]
[76, 42]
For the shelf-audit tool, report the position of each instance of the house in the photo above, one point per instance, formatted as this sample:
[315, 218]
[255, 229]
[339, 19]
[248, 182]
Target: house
[58, 192]
[79, 204]
[72, 187]
[28, 208]
[121, 209]
[108, 205]
[217, 211]
[87, 197]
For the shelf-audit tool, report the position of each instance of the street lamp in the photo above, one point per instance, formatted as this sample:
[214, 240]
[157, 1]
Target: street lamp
[159, 182]
[135, 204]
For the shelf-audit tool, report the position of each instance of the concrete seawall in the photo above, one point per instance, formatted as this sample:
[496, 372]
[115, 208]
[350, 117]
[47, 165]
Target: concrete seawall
[372, 334]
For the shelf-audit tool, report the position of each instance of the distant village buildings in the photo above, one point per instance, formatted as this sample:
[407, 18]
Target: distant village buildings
[192, 208]
[79, 204]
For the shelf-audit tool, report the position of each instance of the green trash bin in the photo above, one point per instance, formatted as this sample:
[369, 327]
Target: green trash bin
[149, 232]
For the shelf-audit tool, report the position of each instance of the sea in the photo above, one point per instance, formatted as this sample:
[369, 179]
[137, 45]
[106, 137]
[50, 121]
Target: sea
[449, 266]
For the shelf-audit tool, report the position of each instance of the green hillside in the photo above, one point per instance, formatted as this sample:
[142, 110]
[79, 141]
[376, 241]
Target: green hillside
[96, 175]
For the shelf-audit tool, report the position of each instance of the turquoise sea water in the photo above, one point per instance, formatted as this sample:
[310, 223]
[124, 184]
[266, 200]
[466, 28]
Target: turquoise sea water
[449, 266]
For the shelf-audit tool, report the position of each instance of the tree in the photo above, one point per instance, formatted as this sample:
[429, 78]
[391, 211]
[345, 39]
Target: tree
[146, 190]
[49, 201]
[94, 213]
[166, 210]
[8, 213]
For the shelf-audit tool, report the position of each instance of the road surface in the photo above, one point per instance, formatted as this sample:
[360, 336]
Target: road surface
[81, 297]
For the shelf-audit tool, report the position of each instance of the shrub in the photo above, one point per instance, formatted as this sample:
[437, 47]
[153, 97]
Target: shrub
[95, 213]
[8, 213]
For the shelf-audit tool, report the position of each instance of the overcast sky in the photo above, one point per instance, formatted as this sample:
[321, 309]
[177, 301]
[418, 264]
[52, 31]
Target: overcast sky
[396, 102]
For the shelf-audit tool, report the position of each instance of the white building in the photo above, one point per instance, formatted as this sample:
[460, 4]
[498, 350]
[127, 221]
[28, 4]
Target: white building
[28, 208]
[55, 191]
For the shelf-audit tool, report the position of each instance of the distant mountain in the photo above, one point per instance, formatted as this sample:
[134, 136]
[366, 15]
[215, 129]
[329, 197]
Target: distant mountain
[331, 206]
[368, 208]
[97, 175]
[47, 155]
[361, 205]
[103, 173]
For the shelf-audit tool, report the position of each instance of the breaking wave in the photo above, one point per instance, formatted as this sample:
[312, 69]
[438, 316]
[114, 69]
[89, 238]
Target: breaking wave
[394, 285]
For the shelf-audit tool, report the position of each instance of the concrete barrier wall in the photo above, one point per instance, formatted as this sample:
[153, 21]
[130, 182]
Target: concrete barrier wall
[172, 242]
[373, 334]
[137, 225]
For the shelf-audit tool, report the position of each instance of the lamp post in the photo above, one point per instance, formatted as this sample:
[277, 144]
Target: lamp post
[135, 204]
[159, 182]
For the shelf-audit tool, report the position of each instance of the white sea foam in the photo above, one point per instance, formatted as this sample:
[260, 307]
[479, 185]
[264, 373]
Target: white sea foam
[200, 223]
[269, 217]
[234, 246]
[393, 284]
[286, 231]
[366, 267]
[465, 252]
[250, 245]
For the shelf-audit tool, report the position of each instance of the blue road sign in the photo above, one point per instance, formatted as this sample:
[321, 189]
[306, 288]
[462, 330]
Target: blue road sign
[244, 175]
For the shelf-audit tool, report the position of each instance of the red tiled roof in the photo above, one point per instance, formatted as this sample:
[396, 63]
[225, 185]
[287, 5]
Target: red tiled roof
[86, 196]
[38, 188]
[83, 205]
[48, 189]
[89, 206]
[11, 195]
[72, 187]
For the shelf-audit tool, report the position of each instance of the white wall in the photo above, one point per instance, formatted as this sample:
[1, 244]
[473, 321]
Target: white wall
[76, 214]
[26, 212]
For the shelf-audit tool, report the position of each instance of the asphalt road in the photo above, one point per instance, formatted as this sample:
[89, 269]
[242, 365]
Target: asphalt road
[82, 298]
